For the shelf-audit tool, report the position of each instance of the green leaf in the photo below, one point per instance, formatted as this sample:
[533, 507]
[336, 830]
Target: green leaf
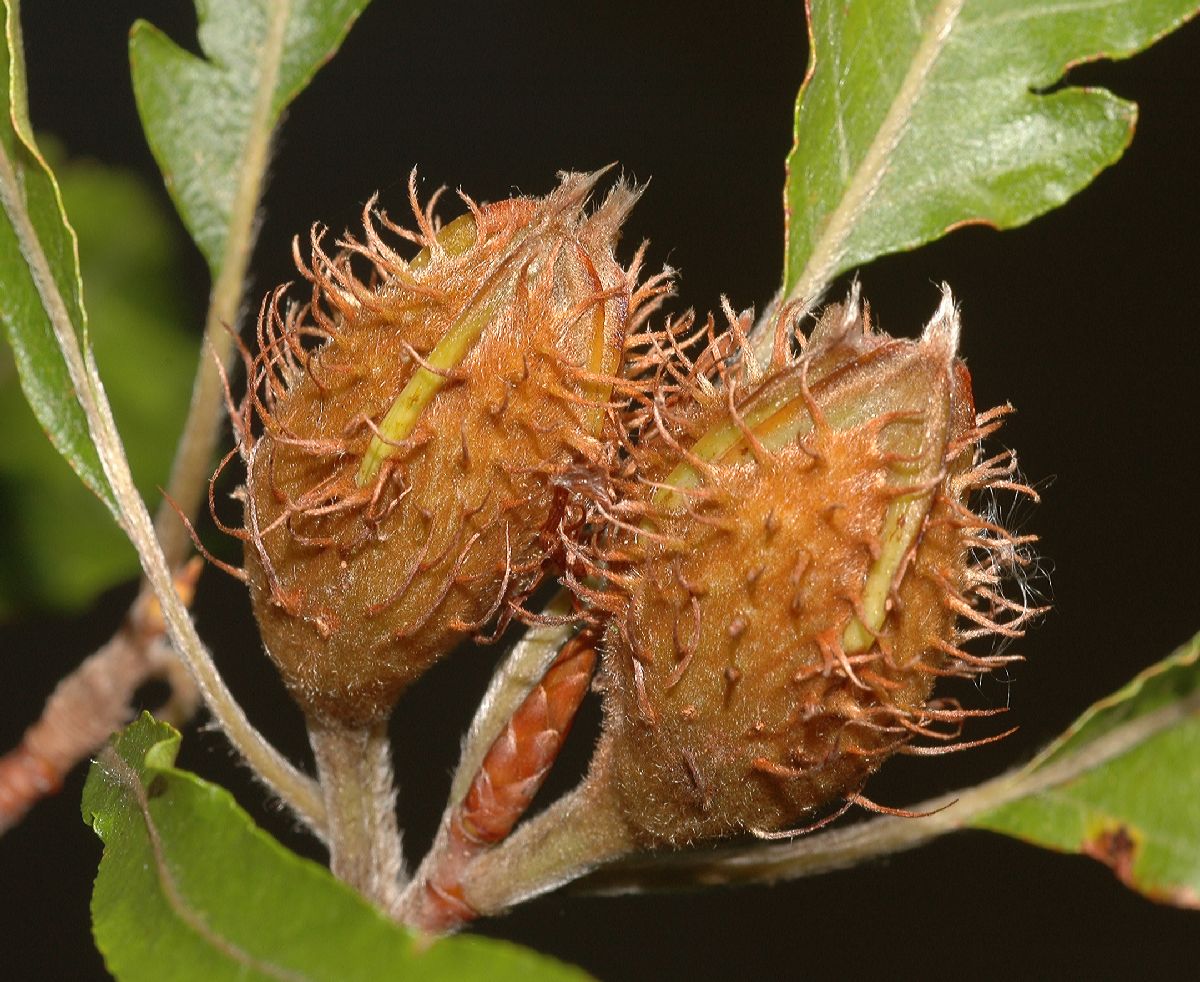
[208, 120]
[1137, 810]
[58, 546]
[917, 117]
[39, 273]
[190, 889]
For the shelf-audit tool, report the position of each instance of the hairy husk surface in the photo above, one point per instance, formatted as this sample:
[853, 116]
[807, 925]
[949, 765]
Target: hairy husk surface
[403, 491]
[787, 578]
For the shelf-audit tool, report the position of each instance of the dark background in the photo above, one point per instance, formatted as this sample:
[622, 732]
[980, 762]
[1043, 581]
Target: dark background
[1085, 320]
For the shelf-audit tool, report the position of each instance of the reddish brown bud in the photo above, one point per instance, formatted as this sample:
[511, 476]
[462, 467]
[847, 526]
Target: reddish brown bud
[793, 560]
[402, 494]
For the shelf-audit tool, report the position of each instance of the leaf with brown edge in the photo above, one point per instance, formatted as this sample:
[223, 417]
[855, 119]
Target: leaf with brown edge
[1137, 811]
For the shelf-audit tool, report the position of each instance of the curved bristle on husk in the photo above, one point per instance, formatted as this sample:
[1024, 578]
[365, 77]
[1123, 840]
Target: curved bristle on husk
[405, 429]
[788, 564]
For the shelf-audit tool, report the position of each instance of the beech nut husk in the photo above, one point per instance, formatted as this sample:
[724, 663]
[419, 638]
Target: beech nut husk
[788, 566]
[406, 428]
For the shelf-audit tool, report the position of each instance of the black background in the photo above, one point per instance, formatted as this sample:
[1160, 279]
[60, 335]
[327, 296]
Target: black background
[1085, 320]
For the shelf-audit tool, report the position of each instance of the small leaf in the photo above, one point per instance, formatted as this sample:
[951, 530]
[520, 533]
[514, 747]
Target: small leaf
[58, 547]
[1139, 810]
[917, 117]
[39, 273]
[206, 120]
[190, 889]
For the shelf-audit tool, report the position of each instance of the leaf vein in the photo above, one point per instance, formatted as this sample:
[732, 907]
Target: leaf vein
[125, 776]
[830, 247]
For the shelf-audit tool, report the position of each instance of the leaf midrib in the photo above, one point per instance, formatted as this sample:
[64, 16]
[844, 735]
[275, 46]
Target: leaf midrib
[829, 248]
[255, 150]
[126, 777]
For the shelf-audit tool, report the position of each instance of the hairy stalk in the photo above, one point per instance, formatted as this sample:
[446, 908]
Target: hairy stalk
[578, 833]
[845, 847]
[197, 444]
[100, 690]
[297, 790]
[578, 837]
[355, 770]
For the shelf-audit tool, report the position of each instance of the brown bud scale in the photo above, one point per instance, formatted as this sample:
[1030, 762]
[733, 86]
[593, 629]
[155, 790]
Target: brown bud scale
[510, 775]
